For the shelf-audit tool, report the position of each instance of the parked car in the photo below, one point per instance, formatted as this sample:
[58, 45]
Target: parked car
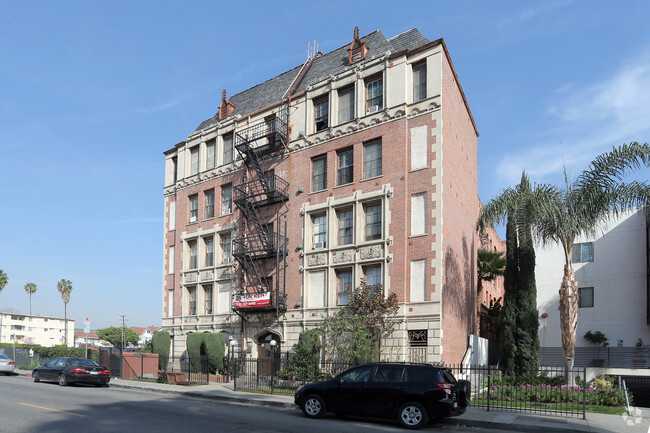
[7, 365]
[411, 393]
[72, 370]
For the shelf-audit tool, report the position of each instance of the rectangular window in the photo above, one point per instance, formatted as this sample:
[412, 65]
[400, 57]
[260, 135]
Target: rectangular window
[583, 252]
[372, 159]
[207, 290]
[418, 214]
[418, 280]
[170, 263]
[317, 289]
[419, 81]
[226, 200]
[375, 95]
[223, 298]
[194, 160]
[226, 248]
[211, 150]
[172, 215]
[346, 104]
[227, 149]
[319, 173]
[419, 148]
[373, 221]
[585, 297]
[345, 170]
[191, 294]
[373, 276]
[175, 169]
[209, 251]
[170, 303]
[344, 286]
[209, 204]
[193, 247]
[321, 109]
[346, 226]
[319, 223]
[194, 208]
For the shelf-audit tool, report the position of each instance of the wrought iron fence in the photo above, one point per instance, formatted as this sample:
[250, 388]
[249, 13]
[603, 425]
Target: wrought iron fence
[542, 391]
[606, 357]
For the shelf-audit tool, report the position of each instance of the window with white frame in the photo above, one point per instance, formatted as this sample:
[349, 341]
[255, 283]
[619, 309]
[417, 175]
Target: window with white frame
[343, 286]
[193, 249]
[372, 273]
[209, 204]
[170, 263]
[345, 170]
[211, 151]
[585, 297]
[346, 104]
[418, 214]
[419, 81]
[207, 296]
[194, 160]
[194, 208]
[419, 148]
[374, 94]
[583, 252]
[227, 149]
[418, 280]
[223, 297]
[319, 173]
[172, 215]
[316, 289]
[373, 221]
[345, 219]
[319, 224]
[321, 110]
[226, 199]
[226, 248]
[191, 297]
[372, 159]
[209, 251]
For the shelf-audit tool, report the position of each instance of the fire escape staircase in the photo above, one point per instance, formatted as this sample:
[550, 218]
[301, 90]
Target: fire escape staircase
[263, 244]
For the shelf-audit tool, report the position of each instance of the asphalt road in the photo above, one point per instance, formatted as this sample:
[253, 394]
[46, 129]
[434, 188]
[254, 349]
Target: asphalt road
[26, 406]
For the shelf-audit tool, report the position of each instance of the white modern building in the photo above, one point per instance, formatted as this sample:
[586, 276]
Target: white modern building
[30, 329]
[612, 272]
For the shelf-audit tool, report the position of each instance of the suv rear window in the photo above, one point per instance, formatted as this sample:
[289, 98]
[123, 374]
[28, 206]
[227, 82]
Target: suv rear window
[428, 375]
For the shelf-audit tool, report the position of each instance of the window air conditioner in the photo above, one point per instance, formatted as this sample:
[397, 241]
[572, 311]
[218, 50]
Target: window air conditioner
[193, 219]
[319, 245]
[373, 109]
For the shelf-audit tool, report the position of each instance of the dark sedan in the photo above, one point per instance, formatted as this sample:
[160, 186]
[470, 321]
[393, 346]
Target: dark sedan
[72, 370]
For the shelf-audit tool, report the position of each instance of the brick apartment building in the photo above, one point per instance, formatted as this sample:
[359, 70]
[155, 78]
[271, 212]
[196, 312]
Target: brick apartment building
[360, 163]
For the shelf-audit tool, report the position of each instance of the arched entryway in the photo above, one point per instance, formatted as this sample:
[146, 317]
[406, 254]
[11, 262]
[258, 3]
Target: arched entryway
[266, 351]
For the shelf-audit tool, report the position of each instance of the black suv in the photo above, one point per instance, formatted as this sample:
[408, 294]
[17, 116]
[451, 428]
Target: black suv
[412, 393]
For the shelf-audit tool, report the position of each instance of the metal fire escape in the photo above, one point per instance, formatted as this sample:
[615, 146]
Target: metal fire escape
[261, 250]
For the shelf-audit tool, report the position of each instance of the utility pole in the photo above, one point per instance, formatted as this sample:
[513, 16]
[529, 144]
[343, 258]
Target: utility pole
[123, 332]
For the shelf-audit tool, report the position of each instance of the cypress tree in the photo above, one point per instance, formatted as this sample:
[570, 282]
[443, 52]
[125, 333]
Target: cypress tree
[508, 340]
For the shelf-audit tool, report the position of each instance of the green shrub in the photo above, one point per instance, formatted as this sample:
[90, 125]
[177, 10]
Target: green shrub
[304, 363]
[161, 342]
[212, 345]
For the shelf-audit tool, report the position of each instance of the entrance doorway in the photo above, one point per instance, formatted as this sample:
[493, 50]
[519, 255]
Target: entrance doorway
[268, 355]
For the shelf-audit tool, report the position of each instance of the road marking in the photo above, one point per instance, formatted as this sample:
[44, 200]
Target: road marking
[53, 410]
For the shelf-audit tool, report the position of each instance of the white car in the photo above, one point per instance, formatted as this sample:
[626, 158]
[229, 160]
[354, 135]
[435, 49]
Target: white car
[6, 364]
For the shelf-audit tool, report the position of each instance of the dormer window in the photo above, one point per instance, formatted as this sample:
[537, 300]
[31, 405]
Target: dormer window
[358, 49]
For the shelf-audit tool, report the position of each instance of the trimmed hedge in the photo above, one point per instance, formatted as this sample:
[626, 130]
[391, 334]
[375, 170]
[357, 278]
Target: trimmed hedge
[214, 347]
[161, 342]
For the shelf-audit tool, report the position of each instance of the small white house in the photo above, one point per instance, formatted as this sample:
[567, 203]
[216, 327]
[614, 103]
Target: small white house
[611, 270]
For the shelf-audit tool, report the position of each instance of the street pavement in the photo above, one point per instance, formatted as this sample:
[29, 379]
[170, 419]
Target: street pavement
[637, 422]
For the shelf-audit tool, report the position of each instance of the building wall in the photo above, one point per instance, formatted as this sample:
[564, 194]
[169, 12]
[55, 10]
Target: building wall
[444, 172]
[30, 329]
[618, 275]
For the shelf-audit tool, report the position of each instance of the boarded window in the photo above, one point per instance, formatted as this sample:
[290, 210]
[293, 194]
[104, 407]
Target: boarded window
[419, 148]
[418, 280]
[317, 289]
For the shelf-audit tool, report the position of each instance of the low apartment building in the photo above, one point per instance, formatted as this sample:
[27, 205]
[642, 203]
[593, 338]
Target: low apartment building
[30, 329]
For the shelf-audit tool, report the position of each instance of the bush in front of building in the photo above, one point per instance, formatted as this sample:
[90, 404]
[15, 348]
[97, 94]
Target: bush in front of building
[304, 363]
[208, 344]
[161, 342]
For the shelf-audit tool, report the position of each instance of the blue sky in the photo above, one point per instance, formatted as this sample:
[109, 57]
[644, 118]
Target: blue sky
[92, 94]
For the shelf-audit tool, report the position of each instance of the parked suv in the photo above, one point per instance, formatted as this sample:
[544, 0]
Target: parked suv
[412, 393]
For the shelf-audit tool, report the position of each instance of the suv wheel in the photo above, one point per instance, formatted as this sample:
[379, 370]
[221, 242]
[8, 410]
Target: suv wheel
[413, 415]
[313, 406]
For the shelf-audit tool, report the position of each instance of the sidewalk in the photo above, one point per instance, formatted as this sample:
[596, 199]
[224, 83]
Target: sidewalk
[514, 421]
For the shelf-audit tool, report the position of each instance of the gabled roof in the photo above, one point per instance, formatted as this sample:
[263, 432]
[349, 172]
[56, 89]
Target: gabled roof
[334, 62]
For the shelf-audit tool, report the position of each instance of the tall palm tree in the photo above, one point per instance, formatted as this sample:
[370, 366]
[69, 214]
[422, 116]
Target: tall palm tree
[490, 265]
[581, 207]
[31, 289]
[3, 279]
[65, 287]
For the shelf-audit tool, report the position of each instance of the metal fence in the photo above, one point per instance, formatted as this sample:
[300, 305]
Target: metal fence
[606, 357]
[542, 391]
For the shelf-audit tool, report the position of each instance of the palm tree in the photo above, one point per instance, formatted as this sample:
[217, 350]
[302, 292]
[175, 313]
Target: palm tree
[3, 279]
[490, 264]
[31, 289]
[65, 287]
[581, 207]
